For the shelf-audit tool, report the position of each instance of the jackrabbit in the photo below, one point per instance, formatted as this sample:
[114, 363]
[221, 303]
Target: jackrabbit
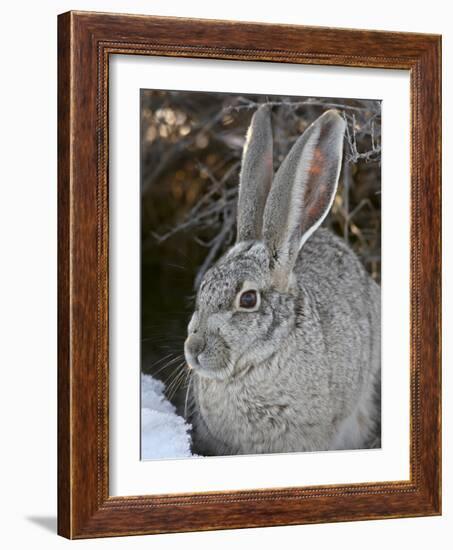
[284, 343]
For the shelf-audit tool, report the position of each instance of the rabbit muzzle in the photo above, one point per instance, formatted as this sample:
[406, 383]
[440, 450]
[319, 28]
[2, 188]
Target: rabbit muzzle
[208, 355]
[193, 347]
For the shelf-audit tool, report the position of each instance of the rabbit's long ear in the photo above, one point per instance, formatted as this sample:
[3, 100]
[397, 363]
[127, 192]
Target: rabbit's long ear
[256, 176]
[302, 192]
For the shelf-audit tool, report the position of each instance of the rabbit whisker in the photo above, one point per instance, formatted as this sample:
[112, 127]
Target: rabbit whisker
[186, 401]
[169, 364]
[159, 361]
[176, 384]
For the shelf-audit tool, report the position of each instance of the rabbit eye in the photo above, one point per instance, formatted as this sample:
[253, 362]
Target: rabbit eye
[248, 299]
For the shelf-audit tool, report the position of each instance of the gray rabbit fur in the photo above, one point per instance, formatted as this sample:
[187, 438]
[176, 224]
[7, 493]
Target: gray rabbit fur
[284, 342]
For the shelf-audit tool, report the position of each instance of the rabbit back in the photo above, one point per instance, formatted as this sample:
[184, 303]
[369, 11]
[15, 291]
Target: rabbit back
[347, 303]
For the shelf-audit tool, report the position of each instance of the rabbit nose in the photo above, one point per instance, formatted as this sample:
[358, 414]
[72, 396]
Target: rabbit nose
[193, 346]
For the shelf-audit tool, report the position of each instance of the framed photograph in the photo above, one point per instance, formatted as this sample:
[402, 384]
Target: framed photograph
[249, 275]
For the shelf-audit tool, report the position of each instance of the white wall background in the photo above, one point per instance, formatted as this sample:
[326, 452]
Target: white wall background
[28, 269]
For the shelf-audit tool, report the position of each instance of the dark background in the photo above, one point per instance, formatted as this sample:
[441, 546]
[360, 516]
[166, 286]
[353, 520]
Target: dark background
[191, 146]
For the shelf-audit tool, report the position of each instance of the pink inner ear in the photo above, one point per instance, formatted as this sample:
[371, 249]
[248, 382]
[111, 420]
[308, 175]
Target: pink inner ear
[316, 193]
[313, 213]
[316, 204]
[317, 162]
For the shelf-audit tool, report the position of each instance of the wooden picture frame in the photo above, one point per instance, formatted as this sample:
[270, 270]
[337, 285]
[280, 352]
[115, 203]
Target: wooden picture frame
[85, 42]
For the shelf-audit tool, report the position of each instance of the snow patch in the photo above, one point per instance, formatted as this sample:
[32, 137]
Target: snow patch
[164, 433]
